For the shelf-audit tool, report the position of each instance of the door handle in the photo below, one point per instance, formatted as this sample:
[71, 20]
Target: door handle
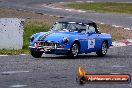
[97, 35]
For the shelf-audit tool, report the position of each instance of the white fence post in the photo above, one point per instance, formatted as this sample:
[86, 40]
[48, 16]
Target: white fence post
[11, 33]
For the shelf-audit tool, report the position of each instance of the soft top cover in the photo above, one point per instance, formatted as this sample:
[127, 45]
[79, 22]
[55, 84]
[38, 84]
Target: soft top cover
[79, 20]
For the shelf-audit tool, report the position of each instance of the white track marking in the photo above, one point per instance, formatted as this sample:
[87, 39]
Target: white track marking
[69, 9]
[12, 72]
[51, 15]
[127, 28]
[3, 55]
[81, 11]
[51, 7]
[124, 42]
[102, 23]
[118, 66]
[118, 44]
[130, 40]
[122, 27]
[113, 25]
[45, 14]
[58, 8]
[23, 54]
[116, 26]
[89, 1]
[18, 86]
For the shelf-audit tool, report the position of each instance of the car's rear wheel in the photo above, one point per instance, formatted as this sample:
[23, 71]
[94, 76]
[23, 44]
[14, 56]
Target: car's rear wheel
[74, 51]
[103, 51]
[36, 54]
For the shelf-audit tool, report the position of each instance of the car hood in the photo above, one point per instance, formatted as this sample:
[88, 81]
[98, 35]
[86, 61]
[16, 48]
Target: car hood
[56, 36]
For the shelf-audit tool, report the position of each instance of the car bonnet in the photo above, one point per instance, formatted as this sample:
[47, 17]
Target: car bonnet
[56, 36]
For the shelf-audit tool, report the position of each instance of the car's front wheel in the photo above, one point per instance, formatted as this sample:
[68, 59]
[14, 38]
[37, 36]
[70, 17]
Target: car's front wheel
[36, 54]
[74, 51]
[103, 51]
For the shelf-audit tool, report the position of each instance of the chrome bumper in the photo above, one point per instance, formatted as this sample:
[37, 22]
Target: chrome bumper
[47, 48]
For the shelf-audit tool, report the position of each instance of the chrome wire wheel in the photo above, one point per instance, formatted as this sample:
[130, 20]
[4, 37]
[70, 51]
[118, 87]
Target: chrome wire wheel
[75, 49]
[104, 48]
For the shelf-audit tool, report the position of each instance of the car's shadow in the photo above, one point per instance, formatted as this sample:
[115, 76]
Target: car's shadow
[87, 56]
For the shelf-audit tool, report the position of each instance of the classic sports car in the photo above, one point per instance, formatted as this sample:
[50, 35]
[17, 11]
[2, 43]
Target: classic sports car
[70, 36]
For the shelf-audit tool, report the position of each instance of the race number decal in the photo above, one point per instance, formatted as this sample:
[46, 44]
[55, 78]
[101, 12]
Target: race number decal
[91, 43]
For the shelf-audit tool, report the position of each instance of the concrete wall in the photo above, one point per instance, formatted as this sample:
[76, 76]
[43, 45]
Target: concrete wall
[11, 33]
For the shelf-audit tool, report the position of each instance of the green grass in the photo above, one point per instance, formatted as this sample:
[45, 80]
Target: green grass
[103, 7]
[29, 29]
[14, 52]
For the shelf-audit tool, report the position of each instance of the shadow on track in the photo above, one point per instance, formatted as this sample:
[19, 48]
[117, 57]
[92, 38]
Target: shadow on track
[79, 57]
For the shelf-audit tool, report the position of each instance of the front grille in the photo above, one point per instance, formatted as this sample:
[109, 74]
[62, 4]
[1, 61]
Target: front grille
[40, 44]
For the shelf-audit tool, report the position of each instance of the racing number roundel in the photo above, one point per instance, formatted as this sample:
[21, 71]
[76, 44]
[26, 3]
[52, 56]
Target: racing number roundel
[91, 43]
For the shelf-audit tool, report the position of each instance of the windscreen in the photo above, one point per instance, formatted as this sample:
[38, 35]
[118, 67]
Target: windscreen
[68, 27]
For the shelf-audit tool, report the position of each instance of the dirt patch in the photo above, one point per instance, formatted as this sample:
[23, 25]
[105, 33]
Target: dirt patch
[27, 15]
[116, 33]
[56, 5]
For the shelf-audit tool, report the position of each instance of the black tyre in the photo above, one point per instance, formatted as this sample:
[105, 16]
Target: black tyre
[82, 80]
[103, 51]
[73, 51]
[36, 54]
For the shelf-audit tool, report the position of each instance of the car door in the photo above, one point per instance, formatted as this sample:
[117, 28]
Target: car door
[93, 40]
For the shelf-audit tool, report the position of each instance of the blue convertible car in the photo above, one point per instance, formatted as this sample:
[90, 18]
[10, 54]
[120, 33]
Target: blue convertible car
[70, 36]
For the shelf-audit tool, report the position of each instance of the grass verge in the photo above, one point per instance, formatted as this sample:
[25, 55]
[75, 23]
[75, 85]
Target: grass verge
[103, 7]
[14, 52]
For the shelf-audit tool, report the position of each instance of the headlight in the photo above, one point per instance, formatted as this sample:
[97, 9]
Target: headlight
[32, 38]
[65, 40]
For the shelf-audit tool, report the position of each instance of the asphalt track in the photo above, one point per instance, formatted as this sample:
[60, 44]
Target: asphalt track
[51, 71]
